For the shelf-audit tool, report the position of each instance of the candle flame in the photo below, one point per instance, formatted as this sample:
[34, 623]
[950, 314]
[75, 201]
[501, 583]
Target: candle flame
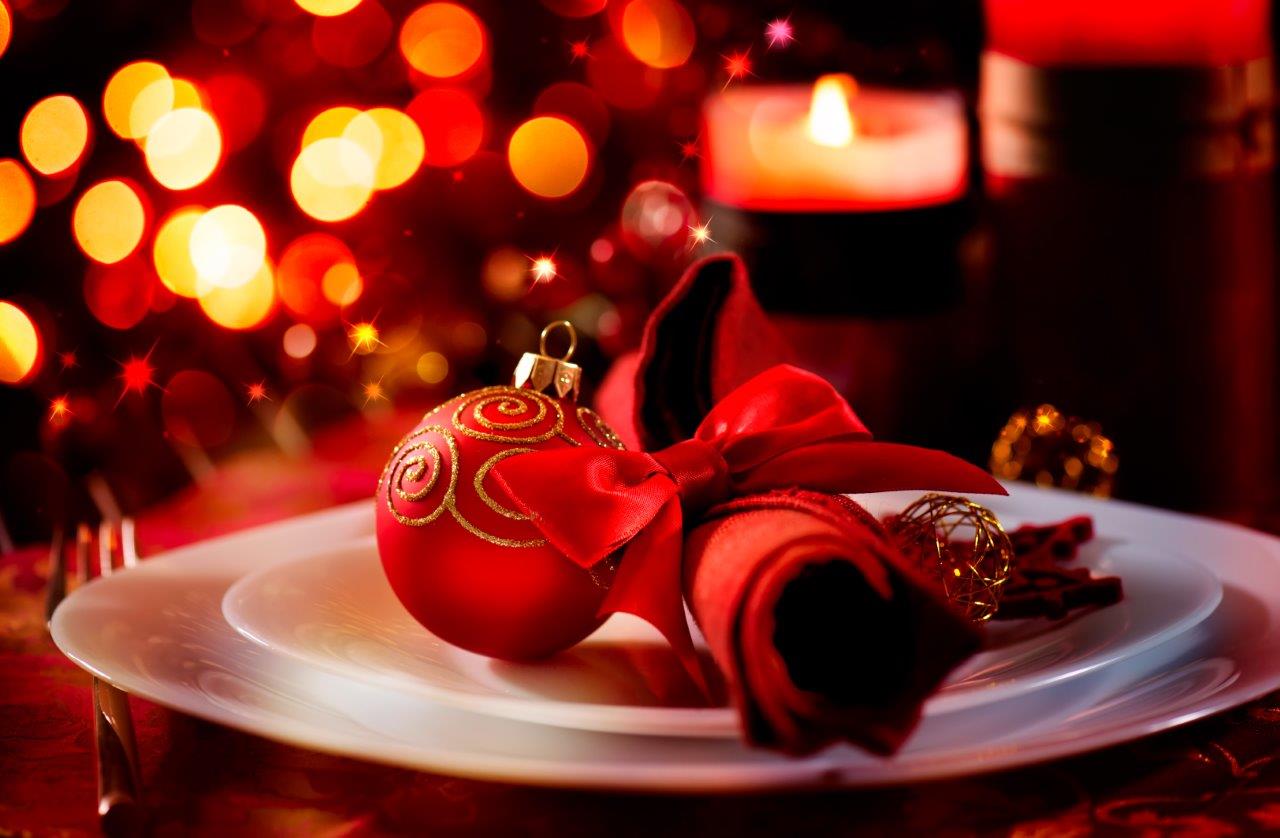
[830, 122]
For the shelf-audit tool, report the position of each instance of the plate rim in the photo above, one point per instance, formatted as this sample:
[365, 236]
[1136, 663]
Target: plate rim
[823, 770]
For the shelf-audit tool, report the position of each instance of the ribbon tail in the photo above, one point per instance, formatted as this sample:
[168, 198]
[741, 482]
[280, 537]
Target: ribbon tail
[846, 467]
[649, 585]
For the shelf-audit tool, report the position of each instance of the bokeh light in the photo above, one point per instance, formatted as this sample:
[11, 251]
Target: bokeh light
[183, 148]
[432, 367]
[6, 27]
[622, 80]
[353, 39]
[305, 269]
[119, 295]
[122, 92]
[327, 8]
[506, 274]
[442, 40]
[54, 134]
[342, 284]
[656, 214]
[158, 99]
[452, 125]
[228, 247]
[332, 179]
[299, 341]
[171, 251]
[548, 156]
[368, 136]
[239, 106]
[658, 32]
[108, 221]
[327, 124]
[20, 351]
[245, 306]
[398, 139]
[197, 409]
[17, 200]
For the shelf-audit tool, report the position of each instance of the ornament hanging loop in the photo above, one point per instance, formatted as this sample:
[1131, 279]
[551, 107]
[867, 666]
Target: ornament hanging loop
[540, 371]
[551, 327]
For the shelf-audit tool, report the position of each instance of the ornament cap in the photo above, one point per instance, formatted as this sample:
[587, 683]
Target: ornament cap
[540, 371]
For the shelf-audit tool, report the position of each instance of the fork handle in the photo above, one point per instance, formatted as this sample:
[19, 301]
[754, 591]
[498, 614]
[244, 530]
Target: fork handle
[119, 809]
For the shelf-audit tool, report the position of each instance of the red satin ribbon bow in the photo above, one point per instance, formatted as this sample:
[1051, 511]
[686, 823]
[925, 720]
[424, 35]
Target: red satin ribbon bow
[784, 428]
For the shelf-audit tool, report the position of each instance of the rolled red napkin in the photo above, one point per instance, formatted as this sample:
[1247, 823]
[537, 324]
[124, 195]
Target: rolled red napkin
[821, 630]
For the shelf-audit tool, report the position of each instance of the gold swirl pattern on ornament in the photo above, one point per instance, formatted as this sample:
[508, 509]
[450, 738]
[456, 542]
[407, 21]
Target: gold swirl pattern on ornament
[415, 458]
[483, 472]
[513, 402]
[412, 472]
[494, 539]
[406, 464]
[599, 431]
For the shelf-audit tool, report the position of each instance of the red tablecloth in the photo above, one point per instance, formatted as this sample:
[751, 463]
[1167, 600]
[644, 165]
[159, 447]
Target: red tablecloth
[1218, 777]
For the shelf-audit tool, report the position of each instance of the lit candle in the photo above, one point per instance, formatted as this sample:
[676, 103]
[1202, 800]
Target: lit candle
[834, 147]
[849, 204]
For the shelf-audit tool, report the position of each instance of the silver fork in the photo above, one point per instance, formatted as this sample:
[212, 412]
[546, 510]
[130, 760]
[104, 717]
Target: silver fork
[119, 807]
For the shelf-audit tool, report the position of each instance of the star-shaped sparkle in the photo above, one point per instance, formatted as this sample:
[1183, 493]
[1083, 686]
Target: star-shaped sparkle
[136, 375]
[364, 338]
[373, 392]
[257, 392]
[59, 410]
[737, 65]
[779, 32]
[579, 50]
[700, 234]
[689, 149]
[544, 269]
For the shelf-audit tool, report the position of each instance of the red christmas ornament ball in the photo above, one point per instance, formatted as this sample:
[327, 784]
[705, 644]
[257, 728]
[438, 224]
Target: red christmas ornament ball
[468, 566]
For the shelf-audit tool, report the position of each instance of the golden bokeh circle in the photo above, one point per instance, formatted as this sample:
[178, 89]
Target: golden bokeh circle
[54, 134]
[122, 92]
[108, 221]
[442, 40]
[19, 344]
[548, 156]
[183, 148]
[17, 200]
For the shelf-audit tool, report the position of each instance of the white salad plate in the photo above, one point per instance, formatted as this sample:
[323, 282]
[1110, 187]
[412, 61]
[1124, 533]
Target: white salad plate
[157, 631]
[336, 611]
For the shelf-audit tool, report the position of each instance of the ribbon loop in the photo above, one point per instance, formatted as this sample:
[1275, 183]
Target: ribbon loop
[699, 471]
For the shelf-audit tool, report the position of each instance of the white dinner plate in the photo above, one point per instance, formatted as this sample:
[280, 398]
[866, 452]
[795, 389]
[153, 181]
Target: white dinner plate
[157, 631]
[335, 610]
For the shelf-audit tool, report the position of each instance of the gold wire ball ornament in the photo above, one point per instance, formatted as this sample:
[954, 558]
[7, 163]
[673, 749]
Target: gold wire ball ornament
[1048, 447]
[962, 544]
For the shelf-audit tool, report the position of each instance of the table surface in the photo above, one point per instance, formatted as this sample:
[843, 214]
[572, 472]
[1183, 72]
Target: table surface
[1217, 777]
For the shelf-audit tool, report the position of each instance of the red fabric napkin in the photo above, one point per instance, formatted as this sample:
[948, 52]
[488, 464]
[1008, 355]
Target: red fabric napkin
[707, 336]
[821, 630]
